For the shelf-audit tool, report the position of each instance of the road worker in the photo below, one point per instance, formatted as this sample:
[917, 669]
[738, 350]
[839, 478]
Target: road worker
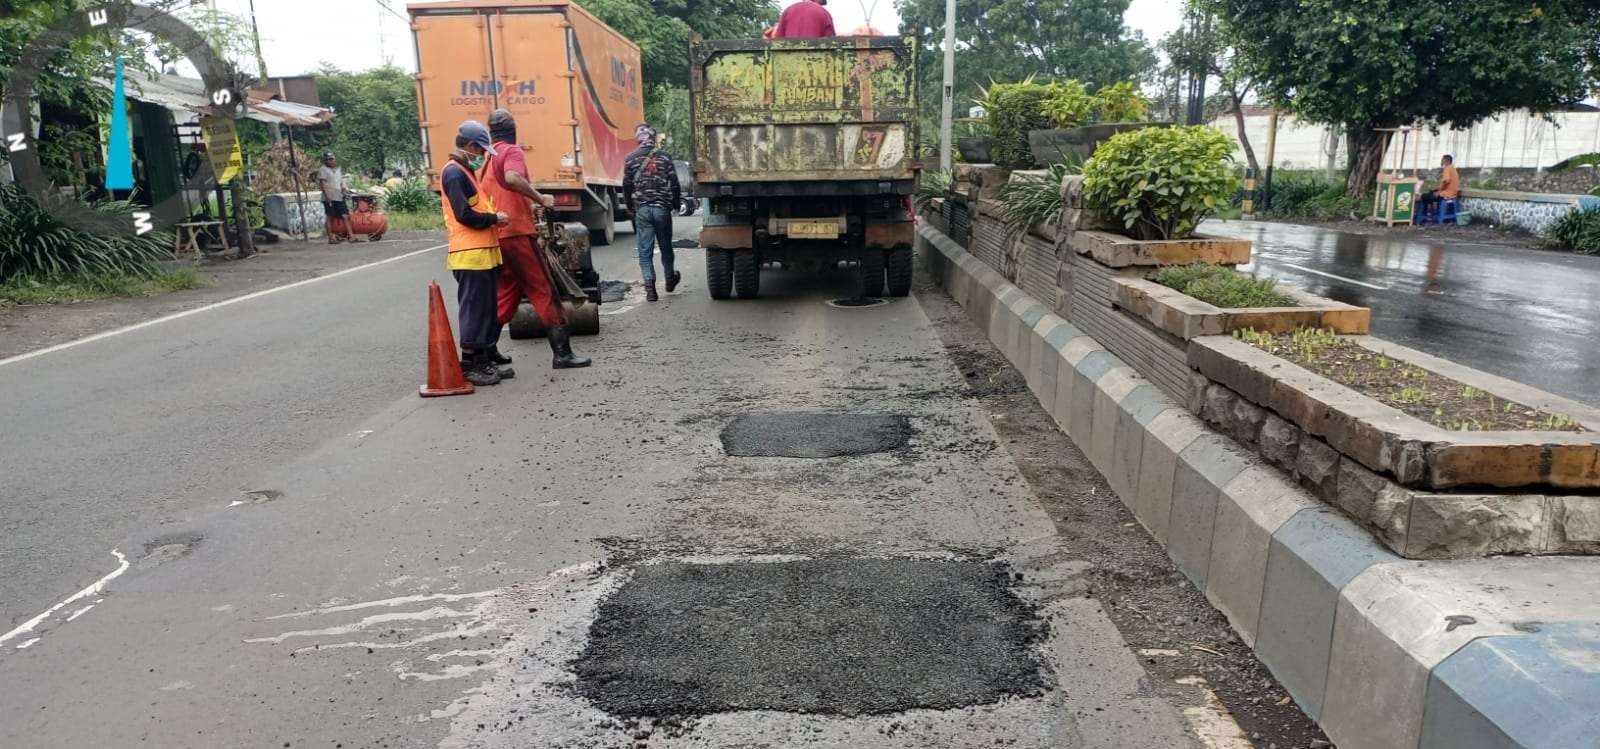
[806, 19]
[474, 253]
[526, 271]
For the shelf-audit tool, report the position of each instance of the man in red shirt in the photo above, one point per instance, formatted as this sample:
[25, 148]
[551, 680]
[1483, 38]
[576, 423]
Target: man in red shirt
[806, 19]
[526, 271]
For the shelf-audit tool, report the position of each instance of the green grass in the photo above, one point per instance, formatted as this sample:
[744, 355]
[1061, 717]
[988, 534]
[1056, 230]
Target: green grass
[1223, 287]
[87, 288]
[420, 221]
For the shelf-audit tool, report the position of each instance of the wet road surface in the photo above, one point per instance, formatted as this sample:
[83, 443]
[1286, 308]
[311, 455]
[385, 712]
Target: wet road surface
[334, 561]
[1528, 315]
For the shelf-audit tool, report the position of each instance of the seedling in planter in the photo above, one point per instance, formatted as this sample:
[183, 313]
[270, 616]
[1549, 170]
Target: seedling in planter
[1383, 361]
[1410, 395]
[1557, 422]
[1470, 393]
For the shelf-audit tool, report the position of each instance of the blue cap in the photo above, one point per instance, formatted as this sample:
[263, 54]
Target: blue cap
[473, 131]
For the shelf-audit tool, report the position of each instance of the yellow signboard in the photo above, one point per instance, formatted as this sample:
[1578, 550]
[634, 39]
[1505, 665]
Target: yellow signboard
[221, 137]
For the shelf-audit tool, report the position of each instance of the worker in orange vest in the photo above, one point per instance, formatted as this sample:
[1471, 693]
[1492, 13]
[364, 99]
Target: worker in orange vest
[474, 253]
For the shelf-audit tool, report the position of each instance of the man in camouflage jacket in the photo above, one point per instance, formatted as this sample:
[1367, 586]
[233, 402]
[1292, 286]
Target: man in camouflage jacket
[650, 185]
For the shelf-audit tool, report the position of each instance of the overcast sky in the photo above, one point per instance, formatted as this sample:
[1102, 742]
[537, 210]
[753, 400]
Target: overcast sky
[357, 34]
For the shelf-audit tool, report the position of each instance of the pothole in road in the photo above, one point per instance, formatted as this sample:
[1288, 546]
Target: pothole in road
[159, 551]
[839, 637]
[857, 302]
[814, 435]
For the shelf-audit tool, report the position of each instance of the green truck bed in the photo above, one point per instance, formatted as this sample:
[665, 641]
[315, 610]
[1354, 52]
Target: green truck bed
[803, 110]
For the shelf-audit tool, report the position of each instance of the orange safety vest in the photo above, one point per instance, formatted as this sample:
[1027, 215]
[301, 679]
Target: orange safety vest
[463, 237]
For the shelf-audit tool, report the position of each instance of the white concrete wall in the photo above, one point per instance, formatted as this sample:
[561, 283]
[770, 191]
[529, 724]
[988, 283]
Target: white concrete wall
[1514, 139]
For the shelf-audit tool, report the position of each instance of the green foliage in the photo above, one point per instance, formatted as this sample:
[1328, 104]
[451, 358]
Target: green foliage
[1578, 231]
[661, 28]
[932, 185]
[1582, 159]
[1018, 108]
[1121, 102]
[1032, 199]
[1383, 63]
[39, 247]
[418, 221]
[376, 128]
[1070, 104]
[1161, 181]
[667, 109]
[1008, 40]
[1223, 287]
[85, 288]
[411, 196]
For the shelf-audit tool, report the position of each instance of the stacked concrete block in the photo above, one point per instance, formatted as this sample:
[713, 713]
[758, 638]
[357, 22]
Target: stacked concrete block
[1158, 356]
[1384, 653]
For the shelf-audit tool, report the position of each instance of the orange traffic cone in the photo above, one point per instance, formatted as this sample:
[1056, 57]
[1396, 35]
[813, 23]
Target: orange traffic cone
[444, 364]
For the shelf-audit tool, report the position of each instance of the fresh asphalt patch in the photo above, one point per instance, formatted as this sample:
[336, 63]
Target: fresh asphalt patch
[814, 435]
[829, 636]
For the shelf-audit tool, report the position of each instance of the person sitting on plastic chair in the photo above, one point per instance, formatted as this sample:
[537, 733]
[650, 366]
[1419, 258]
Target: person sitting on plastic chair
[1449, 188]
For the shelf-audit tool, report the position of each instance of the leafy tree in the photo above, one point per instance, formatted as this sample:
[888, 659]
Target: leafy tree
[1384, 63]
[1008, 40]
[376, 126]
[1205, 51]
[661, 28]
[668, 111]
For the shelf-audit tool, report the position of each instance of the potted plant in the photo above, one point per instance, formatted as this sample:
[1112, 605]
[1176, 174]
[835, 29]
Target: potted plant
[1082, 121]
[1156, 184]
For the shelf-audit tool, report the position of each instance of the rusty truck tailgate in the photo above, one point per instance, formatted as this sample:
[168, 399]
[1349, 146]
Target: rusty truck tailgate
[804, 109]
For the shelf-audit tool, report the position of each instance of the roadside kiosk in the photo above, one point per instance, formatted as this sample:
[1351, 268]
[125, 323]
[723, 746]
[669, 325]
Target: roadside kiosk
[1394, 200]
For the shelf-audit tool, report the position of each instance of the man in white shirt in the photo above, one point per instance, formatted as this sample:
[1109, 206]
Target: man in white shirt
[331, 178]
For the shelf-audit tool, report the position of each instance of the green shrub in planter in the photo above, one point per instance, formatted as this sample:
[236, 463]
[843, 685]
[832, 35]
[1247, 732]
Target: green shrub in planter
[411, 196]
[1120, 102]
[1159, 182]
[1223, 287]
[1069, 104]
[1032, 199]
[1017, 109]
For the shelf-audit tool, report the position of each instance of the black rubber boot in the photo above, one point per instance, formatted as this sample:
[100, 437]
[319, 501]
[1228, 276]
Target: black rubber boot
[478, 370]
[561, 345]
[650, 293]
[673, 279]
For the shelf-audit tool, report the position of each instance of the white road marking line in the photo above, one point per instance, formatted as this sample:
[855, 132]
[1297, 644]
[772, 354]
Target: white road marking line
[387, 603]
[208, 307]
[437, 612]
[80, 612]
[619, 310]
[1211, 722]
[94, 589]
[1326, 274]
[30, 643]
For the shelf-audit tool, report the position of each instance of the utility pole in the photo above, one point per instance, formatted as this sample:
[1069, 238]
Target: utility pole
[947, 125]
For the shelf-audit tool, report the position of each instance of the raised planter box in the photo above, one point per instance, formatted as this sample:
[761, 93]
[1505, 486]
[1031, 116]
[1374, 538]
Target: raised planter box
[1184, 316]
[975, 150]
[1076, 143]
[1385, 440]
[1117, 251]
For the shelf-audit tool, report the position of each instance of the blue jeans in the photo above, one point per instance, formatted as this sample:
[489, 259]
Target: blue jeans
[654, 224]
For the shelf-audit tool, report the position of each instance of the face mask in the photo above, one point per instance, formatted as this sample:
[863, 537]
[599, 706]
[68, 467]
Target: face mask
[475, 162]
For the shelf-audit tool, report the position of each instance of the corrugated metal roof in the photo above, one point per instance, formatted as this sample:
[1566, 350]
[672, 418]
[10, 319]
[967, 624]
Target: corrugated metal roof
[188, 96]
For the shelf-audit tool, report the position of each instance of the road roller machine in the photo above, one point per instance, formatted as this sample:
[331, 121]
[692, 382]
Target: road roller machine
[566, 248]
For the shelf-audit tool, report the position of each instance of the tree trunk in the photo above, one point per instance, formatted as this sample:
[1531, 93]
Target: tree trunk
[1244, 137]
[1366, 159]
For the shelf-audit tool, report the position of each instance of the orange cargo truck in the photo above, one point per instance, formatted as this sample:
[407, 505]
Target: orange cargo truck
[572, 82]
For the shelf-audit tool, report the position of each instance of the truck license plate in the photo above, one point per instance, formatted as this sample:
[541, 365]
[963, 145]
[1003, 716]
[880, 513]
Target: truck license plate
[814, 229]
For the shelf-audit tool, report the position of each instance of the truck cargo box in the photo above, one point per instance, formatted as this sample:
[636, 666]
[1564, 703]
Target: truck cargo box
[795, 111]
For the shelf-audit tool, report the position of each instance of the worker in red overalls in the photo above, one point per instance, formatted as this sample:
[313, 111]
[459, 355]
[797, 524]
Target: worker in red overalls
[526, 271]
[807, 19]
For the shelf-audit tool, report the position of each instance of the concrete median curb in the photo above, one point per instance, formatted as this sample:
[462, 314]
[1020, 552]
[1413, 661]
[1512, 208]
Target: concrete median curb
[1382, 652]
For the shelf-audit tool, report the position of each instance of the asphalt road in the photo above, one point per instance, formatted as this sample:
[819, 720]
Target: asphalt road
[318, 557]
[1528, 315]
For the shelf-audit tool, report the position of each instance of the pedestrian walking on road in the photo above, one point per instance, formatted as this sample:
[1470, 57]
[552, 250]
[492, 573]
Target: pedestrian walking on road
[650, 185]
[474, 254]
[334, 207]
[526, 271]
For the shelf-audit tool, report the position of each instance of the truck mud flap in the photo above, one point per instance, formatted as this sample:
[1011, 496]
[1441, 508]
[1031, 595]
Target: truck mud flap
[890, 236]
[727, 237]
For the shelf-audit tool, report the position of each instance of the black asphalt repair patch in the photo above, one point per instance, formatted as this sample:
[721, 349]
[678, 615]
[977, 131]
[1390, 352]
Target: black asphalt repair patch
[814, 435]
[839, 637]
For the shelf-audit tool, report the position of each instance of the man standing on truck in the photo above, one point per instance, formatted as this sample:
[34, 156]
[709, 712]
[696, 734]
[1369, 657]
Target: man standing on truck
[650, 185]
[806, 19]
[474, 258]
[526, 272]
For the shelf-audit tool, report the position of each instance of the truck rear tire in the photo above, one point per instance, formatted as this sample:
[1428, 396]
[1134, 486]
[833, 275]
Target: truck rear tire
[747, 274]
[898, 261]
[719, 274]
[872, 272]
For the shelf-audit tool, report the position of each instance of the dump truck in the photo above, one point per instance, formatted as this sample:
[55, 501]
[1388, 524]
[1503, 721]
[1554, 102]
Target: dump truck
[805, 153]
[572, 82]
